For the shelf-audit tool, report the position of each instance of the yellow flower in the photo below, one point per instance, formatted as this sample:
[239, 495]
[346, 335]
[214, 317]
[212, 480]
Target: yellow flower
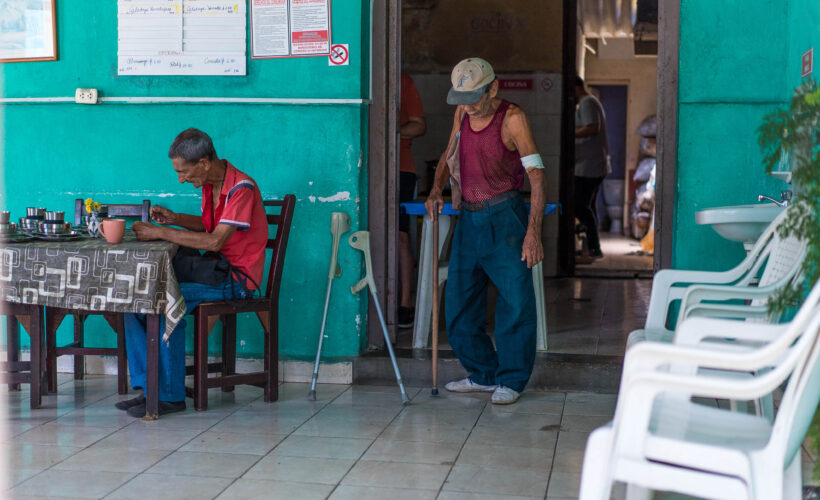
[96, 207]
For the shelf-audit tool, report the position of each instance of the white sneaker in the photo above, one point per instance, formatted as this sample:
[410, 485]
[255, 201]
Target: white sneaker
[504, 396]
[467, 385]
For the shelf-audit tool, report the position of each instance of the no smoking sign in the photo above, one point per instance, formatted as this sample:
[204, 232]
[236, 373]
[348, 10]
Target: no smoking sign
[339, 55]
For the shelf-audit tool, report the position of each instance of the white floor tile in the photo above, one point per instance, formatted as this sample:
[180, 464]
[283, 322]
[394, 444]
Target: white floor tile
[170, 487]
[81, 484]
[389, 450]
[255, 489]
[187, 463]
[497, 480]
[301, 469]
[232, 442]
[322, 447]
[396, 475]
[364, 492]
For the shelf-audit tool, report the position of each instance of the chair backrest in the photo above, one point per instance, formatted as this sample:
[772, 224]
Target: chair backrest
[785, 259]
[141, 210]
[800, 399]
[796, 365]
[279, 243]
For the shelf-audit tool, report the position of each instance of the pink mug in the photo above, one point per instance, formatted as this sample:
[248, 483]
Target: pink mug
[113, 230]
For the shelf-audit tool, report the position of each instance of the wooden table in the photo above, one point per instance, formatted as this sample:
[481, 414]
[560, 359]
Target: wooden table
[92, 275]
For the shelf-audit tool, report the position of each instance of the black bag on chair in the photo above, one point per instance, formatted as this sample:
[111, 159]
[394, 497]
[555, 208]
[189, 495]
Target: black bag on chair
[210, 268]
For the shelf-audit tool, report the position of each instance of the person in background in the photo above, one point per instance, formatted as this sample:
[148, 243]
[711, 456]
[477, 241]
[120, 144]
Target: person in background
[591, 162]
[233, 222]
[411, 125]
[494, 238]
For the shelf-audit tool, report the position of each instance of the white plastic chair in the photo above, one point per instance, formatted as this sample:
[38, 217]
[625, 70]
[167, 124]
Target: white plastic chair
[779, 258]
[661, 440]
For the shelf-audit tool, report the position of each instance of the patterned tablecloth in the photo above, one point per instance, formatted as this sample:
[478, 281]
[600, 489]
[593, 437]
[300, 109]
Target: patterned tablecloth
[93, 275]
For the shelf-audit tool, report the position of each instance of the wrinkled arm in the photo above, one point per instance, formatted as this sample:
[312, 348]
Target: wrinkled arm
[442, 169]
[194, 239]
[521, 133]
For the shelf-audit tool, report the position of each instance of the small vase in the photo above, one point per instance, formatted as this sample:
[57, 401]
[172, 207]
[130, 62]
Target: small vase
[94, 221]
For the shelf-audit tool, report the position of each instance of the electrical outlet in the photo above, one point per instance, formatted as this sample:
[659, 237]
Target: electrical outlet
[85, 96]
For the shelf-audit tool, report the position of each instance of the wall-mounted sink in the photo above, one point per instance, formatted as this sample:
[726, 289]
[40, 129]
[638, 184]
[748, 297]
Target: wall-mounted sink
[744, 223]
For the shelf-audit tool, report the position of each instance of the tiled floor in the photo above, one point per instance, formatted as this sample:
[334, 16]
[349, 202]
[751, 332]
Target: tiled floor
[355, 442]
[584, 315]
[622, 256]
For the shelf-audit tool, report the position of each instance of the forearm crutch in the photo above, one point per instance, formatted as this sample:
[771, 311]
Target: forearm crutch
[360, 240]
[339, 224]
[435, 299]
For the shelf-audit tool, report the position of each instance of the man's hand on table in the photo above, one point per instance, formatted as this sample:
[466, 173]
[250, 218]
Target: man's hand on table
[434, 197]
[533, 251]
[146, 231]
[162, 215]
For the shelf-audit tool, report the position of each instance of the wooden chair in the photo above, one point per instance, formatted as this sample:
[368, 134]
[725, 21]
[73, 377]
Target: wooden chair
[14, 371]
[266, 309]
[54, 317]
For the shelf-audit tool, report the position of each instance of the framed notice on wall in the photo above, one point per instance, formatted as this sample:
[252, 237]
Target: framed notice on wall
[28, 31]
[181, 37]
[290, 28]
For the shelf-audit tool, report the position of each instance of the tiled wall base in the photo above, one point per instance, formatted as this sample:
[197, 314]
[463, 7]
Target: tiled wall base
[289, 371]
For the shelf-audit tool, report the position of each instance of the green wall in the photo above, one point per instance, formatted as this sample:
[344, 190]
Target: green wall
[54, 153]
[732, 60]
[804, 33]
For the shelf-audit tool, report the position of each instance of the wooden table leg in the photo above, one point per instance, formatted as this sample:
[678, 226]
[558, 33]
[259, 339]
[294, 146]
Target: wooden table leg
[37, 337]
[12, 345]
[152, 368]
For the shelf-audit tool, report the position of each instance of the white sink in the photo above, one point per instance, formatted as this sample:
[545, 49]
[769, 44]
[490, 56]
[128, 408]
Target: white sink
[744, 223]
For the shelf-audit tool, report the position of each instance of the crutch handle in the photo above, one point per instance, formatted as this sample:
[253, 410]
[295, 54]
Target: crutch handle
[339, 224]
[360, 240]
[358, 286]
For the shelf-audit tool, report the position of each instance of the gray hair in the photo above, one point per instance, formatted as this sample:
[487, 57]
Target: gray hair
[192, 145]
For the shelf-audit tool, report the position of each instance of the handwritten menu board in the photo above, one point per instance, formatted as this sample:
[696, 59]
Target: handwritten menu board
[181, 37]
[290, 28]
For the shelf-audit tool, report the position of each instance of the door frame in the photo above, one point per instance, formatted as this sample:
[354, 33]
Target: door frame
[383, 172]
[667, 135]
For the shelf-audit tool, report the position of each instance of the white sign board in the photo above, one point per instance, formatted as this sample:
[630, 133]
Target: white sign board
[181, 37]
[290, 28]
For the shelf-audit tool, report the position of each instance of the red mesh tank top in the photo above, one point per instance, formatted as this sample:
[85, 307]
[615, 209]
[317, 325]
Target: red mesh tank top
[488, 168]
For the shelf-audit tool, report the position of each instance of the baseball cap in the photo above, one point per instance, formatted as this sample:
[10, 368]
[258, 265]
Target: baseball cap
[469, 79]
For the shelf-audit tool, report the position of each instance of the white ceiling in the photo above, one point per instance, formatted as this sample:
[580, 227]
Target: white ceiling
[607, 18]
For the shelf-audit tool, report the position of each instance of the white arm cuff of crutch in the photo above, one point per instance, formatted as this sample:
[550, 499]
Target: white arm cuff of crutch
[532, 161]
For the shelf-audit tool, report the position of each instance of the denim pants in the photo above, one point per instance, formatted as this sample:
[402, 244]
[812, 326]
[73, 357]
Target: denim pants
[586, 210]
[487, 246]
[172, 353]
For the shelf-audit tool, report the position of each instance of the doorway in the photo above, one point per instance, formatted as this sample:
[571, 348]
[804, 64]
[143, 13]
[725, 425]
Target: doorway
[618, 227]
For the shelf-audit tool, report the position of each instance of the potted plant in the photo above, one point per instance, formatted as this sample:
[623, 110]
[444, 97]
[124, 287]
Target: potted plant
[794, 133]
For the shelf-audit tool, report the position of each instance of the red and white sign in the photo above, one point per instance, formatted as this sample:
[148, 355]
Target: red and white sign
[808, 63]
[339, 55]
[309, 27]
[515, 83]
[290, 28]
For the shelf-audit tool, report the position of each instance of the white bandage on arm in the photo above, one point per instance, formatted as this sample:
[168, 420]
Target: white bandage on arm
[532, 161]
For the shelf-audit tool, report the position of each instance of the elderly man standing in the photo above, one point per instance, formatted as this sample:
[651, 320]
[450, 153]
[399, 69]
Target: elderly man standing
[494, 239]
[233, 222]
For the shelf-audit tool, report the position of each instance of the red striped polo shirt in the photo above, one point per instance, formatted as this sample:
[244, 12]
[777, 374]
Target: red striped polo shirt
[240, 205]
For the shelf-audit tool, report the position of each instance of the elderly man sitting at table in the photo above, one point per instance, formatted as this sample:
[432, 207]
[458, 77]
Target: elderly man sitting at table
[233, 223]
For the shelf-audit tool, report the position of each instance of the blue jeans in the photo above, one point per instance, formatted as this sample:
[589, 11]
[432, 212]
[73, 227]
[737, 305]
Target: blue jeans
[172, 353]
[487, 246]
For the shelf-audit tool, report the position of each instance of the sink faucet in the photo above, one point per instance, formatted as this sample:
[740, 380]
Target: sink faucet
[785, 198]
